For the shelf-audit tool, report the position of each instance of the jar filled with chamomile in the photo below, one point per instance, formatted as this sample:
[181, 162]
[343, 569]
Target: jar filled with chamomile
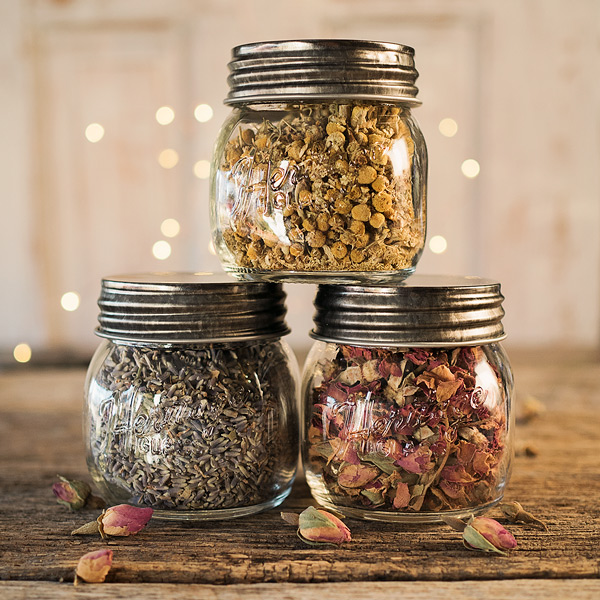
[320, 170]
[407, 400]
[190, 399]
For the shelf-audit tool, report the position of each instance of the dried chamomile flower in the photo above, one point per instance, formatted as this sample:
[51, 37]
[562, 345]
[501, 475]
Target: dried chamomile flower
[322, 169]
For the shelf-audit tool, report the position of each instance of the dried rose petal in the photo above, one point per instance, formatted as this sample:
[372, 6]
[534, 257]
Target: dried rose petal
[482, 462]
[343, 451]
[354, 476]
[71, 492]
[123, 519]
[446, 389]
[486, 534]
[320, 526]
[457, 474]
[402, 497]
[94, 566]
[417, 461]
[465, 452]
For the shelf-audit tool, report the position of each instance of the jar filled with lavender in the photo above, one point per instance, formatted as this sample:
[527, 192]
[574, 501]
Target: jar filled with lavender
[190, 401]
[407, 399]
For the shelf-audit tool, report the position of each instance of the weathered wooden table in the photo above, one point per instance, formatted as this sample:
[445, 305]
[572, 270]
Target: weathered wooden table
[261, 557]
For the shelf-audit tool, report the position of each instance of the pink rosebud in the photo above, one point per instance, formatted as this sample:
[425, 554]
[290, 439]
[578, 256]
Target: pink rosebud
[321, 527]
[71, 492]
[488, 535]
[94, 566]
[124, 520]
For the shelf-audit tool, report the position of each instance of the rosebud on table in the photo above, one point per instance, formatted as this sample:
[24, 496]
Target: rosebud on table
[482, 533]
[488, 535]
[71, 492]
[322, 527]
[94, 566]
[124, 519]
[120, 520]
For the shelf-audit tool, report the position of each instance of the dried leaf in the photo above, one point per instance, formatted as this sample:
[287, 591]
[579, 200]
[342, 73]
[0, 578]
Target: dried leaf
[290, 518]
[87, 529]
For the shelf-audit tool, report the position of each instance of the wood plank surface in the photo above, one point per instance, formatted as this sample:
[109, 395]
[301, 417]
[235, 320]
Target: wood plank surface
[528, 589]
[40, 436]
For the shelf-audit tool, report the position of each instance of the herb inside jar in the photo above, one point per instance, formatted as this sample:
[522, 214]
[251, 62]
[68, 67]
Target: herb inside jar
[405, 431]
[328, 187]
[200, 427]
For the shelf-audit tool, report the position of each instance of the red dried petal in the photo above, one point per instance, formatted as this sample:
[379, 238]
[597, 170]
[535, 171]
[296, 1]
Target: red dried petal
[417, 461]
[402, 497]
[417, 356]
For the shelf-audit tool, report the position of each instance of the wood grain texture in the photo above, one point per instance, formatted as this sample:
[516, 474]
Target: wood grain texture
[582, 589]
[561, 486]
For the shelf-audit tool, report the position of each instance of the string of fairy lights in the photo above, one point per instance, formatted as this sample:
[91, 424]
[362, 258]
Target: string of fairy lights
[170, 228]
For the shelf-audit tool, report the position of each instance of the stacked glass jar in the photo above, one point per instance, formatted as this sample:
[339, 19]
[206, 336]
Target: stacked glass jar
[318, 175]
[191, 398]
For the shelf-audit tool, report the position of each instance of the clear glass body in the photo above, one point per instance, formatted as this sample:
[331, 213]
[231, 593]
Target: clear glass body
[195, 432]
[305, 191]
[399, 434]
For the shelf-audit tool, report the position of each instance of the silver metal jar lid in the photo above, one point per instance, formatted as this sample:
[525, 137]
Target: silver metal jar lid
[424, 310]
[189, 307]
[322, 69]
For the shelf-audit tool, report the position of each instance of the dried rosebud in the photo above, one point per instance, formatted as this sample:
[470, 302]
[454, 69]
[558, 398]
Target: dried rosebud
[94, 566]
[321, 527]
[71, 492]
[123, 520]
[517, 514]
[482, 533]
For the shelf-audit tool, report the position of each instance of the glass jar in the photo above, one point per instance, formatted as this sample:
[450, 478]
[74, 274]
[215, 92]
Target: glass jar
[407, 400]
[190, 403]
[321, 168]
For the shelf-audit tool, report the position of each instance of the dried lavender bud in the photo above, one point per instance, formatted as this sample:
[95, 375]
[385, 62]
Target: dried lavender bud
[201, 427]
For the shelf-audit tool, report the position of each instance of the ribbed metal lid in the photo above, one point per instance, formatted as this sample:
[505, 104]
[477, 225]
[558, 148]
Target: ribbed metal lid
[424, 310]
[322, 69]
[189, 307]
